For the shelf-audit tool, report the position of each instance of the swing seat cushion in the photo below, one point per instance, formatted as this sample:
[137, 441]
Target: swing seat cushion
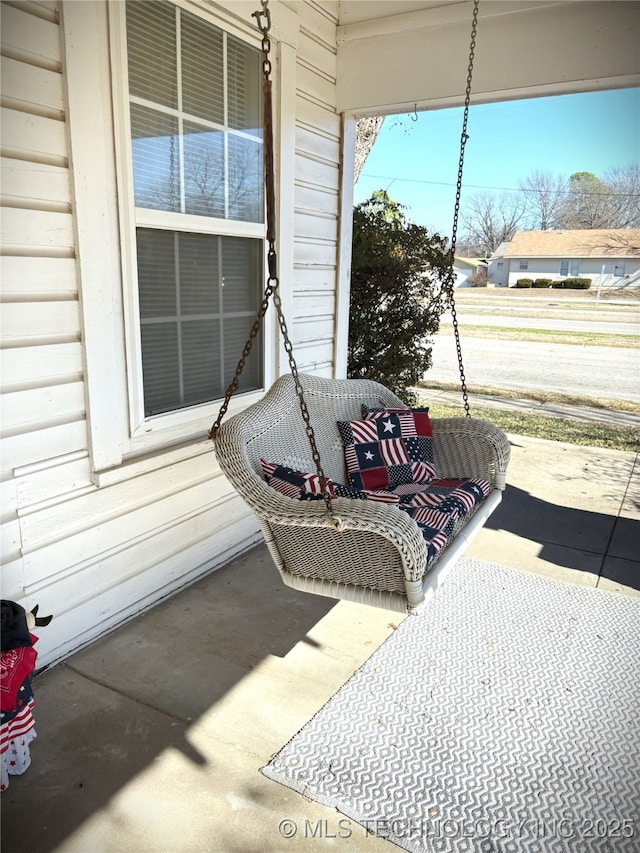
[388, 449]
[439, 506]
[436, 507]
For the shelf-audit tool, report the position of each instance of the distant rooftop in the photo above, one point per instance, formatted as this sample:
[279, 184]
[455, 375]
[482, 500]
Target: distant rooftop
[613, 242]
[469, 262]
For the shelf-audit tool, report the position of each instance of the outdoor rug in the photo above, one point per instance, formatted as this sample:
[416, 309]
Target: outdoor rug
[504, 717]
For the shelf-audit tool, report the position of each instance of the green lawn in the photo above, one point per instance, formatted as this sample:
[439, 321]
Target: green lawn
[550, 336]
[587, 433]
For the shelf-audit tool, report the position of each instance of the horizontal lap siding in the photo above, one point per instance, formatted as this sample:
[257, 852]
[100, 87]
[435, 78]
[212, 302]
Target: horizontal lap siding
[93, 553]
[317, 198]
[43, 401]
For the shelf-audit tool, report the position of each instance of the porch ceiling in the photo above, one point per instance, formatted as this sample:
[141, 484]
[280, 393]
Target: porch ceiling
[394, 55]
[356, 11]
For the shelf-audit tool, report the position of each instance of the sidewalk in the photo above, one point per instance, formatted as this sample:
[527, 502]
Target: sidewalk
[553, 410]
[151, 739]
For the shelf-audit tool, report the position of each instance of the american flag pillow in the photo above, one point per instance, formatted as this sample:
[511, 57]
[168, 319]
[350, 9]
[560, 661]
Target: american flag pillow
[388, 449]
[414, 424]
[307, 487]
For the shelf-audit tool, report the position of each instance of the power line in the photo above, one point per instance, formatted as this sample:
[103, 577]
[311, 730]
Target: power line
[486, 187]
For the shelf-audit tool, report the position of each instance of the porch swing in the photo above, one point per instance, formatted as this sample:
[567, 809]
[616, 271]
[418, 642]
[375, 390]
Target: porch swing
[346, 510]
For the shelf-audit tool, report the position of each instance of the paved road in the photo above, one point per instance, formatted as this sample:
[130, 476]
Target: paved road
[564, 324]
[573, 369]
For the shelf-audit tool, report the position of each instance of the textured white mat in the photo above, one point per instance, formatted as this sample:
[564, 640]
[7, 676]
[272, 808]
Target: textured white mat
[504, 718]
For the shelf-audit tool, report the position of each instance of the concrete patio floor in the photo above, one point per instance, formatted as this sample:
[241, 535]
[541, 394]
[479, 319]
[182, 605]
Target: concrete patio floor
[151, 739]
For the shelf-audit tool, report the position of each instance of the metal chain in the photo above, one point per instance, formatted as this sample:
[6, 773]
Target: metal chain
[451, 277]
[273, 283]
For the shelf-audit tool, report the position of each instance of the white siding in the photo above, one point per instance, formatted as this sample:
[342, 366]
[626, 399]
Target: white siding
[42, 401]
[317, 190]
[589, 268]
[90, 544]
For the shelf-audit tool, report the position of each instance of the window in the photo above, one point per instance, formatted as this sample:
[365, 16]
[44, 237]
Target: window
[619, 268]
[570, 267]
[524, 264]
[500, 266]
[194, 95]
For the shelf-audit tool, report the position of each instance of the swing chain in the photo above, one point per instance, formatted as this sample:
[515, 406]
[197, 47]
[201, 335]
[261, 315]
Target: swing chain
[273, 283]
[450, 281]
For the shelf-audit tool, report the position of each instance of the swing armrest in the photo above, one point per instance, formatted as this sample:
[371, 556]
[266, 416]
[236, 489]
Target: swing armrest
[468, 447]
[382, 523]
[388, 535]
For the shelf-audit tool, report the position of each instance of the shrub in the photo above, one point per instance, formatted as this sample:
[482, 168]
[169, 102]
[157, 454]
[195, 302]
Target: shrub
[397, 274]
[577, 283]
[558, 285]
[542, 282]
[524, 282]
[478, 279]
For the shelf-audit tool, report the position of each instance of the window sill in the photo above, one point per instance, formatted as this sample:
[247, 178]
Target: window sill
[169, 446]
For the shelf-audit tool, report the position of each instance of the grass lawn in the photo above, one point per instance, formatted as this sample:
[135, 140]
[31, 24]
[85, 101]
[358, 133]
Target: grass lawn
[549, 336]
[586, 433]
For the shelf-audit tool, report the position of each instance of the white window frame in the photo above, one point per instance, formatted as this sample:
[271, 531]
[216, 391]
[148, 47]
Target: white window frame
[571, 267]
[136, 217]
[93, 51]
[619, 269]
[523, 264]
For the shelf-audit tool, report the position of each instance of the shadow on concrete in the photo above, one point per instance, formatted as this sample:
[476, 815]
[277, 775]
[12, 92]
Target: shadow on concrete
[605, 545]
[129, 702]
[107, 713]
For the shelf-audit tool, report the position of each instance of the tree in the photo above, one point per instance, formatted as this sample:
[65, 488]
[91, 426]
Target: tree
[544, 196]
[490, 219]
[397, 274]
[547, 201]
[367, 130]
[624, 196]
[586, 203]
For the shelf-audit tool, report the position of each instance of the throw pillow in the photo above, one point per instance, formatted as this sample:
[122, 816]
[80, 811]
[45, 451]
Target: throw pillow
[388, 449]
[414, 424]
[307, 487]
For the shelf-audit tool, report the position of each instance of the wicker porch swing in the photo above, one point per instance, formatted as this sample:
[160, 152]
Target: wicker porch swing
[416, 490]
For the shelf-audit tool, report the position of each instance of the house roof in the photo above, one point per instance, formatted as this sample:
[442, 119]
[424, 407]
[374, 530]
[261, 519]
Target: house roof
[612, 242]
[469, 262]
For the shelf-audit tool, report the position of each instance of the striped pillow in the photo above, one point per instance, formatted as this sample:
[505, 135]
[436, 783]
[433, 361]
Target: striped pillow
[307, 487]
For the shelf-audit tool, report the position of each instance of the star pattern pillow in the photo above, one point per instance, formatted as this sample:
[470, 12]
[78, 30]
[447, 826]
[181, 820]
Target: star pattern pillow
[414, 423]
[388, 449]
[307, 487]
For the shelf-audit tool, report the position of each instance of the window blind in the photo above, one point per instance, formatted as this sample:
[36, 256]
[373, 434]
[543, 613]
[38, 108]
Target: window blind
[198, 301]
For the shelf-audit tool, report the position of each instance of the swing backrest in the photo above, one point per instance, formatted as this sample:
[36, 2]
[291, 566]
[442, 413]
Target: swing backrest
[274, 429]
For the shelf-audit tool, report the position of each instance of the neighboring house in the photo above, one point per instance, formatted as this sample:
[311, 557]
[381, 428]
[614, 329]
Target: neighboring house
[466, 268]
[133, 247]
[609, 257]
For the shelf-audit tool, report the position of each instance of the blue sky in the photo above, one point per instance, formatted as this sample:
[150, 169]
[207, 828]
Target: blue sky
[417, 161]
